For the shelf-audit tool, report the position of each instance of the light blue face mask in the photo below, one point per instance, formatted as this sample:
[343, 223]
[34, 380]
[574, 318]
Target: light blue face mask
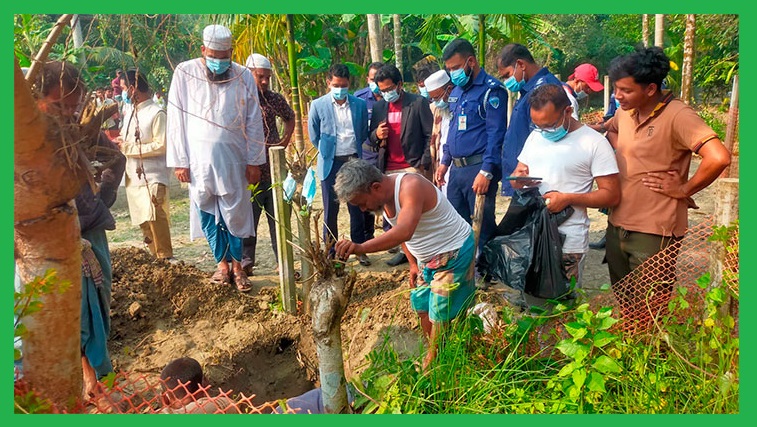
[459, 77]
[374, 88]
[581, 95]
[391, 96]
[125, 97]
[513, 85]
[423, 91]
[554, 135]
[217, 66]
[441, 104]
[339, 93]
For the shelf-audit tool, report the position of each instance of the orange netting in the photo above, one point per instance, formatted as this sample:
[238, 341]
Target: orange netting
[645, 292]
[140, 394]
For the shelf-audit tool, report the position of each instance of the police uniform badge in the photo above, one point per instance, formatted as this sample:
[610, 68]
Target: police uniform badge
[494, 102]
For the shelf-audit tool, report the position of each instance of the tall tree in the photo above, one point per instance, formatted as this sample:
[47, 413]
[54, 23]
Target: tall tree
[47, 236]
[482, 40]
[374, 38]
[645, 29]
[659, 29]
[397, 27]
[687, 72]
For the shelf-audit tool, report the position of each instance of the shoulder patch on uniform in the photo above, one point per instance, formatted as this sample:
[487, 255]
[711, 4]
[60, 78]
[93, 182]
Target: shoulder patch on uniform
[494, 102]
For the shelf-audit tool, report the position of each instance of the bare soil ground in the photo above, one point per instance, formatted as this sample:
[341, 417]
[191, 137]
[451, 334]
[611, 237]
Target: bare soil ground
[162, 311]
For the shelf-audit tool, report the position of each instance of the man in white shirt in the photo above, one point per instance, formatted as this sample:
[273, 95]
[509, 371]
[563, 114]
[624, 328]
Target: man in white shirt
[147, 176]
[338, 125]
[568, 157]
[439, 87]
[216, 144]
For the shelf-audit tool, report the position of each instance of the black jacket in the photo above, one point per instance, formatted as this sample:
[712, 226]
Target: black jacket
[93, 208]
[415, 133]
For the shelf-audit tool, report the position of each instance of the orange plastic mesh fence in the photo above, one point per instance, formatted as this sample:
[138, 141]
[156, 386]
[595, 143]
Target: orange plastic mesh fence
[141, 394]
[645, 292]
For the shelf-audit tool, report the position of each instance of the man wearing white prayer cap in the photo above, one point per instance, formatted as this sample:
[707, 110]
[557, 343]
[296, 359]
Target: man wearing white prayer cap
[439, 86]
[215, 142]
[272, 105]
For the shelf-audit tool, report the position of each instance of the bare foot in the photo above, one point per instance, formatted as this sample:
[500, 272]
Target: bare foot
[89, 380]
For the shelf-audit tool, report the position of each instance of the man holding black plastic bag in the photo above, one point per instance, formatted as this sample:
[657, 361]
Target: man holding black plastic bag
[565, 157]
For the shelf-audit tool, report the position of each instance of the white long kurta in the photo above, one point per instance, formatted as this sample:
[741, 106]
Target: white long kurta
[215, 130]
[150, 153]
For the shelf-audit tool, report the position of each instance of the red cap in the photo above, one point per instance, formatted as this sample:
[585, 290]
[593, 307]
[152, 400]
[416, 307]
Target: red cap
[589, 74]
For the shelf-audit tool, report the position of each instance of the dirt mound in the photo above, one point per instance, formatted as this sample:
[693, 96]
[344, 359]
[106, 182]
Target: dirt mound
[161, 311]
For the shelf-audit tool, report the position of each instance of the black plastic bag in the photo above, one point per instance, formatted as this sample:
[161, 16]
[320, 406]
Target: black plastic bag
[526, 246]
[546, 278]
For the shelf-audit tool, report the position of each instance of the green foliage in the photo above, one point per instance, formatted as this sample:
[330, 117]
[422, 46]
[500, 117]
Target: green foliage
[687, 365]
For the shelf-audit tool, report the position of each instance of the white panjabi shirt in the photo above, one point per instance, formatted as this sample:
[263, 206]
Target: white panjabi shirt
[216, 130]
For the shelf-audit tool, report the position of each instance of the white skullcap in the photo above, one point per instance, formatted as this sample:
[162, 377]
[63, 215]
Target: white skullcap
[436, 80]
[257, 60]
[216, 37]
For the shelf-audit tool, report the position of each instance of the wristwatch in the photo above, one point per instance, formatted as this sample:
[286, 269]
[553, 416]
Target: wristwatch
[487, 175]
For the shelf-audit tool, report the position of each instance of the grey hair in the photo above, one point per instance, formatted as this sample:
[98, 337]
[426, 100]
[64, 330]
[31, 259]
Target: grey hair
[355, 176]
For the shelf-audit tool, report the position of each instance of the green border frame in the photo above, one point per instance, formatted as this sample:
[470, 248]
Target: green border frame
[748, 27]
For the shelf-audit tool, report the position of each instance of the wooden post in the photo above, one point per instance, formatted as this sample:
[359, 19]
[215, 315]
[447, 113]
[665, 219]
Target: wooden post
[282, 213]
[512, 98]
[731, 132]
[608, 91]
[645, 30]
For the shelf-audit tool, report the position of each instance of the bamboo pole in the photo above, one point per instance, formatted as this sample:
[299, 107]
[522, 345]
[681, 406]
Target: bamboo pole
[282, 213]
[36, 64]
[645, 29]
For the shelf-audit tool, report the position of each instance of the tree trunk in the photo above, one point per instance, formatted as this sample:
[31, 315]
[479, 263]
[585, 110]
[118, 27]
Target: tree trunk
[645, 29]
[299, 142]
[397, 42]
[328, 299]
[47, 236]
[482, 41]
[659, 29]
[687, 72]
[374, 38]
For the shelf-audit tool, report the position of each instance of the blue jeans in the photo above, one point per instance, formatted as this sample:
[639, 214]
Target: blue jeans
[331, 211]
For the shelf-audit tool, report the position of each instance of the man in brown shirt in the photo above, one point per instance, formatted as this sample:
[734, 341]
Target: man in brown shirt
[654, 136]
[272, 105]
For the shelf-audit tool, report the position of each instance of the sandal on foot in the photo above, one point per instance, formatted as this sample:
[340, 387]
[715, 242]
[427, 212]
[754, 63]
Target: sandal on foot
[242, 282]
[221, 277]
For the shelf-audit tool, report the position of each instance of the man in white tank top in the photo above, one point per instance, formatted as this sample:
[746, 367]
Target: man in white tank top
[437, 241]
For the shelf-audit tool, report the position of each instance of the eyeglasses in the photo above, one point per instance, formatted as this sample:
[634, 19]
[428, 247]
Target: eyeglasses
[552, 128]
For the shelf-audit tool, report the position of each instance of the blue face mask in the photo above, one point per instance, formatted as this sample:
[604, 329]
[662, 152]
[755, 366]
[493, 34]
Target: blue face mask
[423, 91]
[460, 77]
[442, 104]
[581, 95]
[218, 66]
[339, 93]
[391, 96]
[125, 97]
[554, 135]
[513, 85]
[374, 88]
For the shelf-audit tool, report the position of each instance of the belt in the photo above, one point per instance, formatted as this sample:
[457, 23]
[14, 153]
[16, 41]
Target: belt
[467, 161]
[345, 158]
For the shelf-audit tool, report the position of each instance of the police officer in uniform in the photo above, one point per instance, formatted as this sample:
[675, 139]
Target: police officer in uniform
[479, 120]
